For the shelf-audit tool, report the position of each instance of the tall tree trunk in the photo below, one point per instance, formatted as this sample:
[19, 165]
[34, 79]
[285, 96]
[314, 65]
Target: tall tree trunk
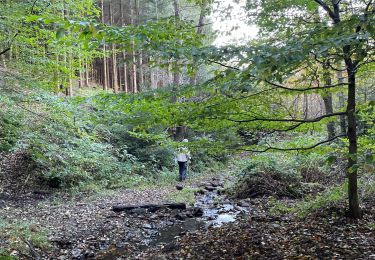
[114, 61]
[140, 69]
[352, 173]
[105, 73]
[71, 75]
[327, 99]
[134, 60]
[125, 74]
[140, 53]
[202, 16]
[176, 73]
[87, 73]
[81, 76]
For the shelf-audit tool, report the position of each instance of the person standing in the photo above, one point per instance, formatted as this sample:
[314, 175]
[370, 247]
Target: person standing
[183, 157]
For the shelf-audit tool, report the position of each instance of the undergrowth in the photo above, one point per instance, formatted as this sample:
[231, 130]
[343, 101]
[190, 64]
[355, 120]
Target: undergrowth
[22, 235]
[278, 174]
[89, 142]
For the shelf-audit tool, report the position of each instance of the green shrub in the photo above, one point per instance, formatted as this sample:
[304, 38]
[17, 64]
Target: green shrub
[10, 123]
[278, 174]
[18, 232]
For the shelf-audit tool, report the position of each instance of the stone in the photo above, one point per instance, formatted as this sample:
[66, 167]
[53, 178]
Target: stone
[179, 187]
[243, 203]
[76, 253]
[210, 188]
[180, 216]
[200, 192]
[197, 212]
[147, 226]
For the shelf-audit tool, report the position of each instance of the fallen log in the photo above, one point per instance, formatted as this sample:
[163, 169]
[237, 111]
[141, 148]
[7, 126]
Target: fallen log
[149, 207]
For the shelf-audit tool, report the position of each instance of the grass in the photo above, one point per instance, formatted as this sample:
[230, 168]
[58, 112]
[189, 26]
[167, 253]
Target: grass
[186, 195]
[17, 233]
[310, 204]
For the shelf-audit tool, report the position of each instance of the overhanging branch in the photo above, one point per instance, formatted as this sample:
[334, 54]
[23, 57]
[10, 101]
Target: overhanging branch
[296, 148]
[313, 120]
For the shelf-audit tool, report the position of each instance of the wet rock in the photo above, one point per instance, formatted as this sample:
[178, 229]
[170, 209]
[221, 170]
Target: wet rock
[180, 216]
[89, 254]
[197, 212]
[243, 203]
[147, 226]
[238, 208]
[76, 253]
[200, 192]
[210, 188]
[220, 191]
[138, 211]
[203, 184]
[155, 216]
[103, 246]
[170, 247]
[62, 242]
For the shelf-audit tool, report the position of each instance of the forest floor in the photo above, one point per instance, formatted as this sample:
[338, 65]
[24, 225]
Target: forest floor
[84, 226]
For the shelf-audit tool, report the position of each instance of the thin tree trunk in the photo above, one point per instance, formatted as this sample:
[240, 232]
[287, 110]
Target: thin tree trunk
[202, 16]
[125, 74]
[70, 87]
[114, 61]
[352, 173]
[140, 54]
[341, 97]
[105, 73]
[176, 73]
[134, 61]
[81, 76]
[327, 99]
[87, 73]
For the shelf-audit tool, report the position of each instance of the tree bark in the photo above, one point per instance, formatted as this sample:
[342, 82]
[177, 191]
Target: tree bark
[134, 60]
[327, 99]
[125, 74]
[114, 58]
[352, 173]
[105, 73]
[341, 97]
[202, 16]
[176, 73]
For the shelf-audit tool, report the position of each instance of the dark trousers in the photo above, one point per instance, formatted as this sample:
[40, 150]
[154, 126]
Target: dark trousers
[182, 170]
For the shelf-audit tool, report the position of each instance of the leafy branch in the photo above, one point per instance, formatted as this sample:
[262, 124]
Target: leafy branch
[296, 148]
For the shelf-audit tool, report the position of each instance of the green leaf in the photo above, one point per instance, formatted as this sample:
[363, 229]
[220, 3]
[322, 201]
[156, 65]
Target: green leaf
[60, 33]
[353, 168]
[369, 159]
[331, 159]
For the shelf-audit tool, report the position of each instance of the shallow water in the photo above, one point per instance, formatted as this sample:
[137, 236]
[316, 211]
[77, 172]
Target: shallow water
[214, 215]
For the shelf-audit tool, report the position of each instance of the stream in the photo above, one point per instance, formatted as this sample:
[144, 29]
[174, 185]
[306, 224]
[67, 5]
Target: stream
[166, 231]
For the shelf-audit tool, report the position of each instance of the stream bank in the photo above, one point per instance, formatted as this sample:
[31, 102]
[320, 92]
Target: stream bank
[83, 226]
[168, 226]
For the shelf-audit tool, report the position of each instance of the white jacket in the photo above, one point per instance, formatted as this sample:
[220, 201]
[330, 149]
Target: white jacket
[183, 155]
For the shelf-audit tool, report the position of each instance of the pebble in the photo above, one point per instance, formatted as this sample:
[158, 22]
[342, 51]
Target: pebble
[147, 226]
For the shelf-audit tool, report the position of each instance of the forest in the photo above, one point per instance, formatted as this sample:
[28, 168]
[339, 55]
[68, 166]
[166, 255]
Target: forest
[187, 129]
